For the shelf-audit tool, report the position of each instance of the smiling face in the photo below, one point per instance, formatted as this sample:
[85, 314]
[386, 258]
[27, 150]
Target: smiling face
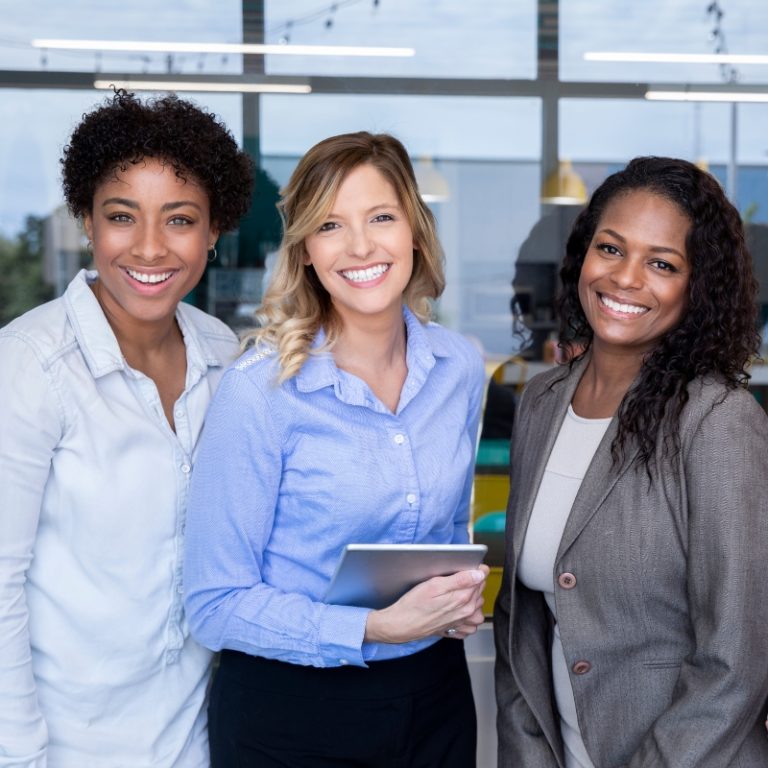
[634, 280]
[363, 252]
[150, 232]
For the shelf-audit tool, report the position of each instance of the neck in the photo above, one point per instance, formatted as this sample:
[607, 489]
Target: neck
[604, 383]
[375, 345]
[140, 339]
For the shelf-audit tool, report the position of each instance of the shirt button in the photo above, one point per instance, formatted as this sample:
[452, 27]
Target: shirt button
[399, 439]
[581, 667]
[411, 498]
[178, 413]
[343, 662]
[186, 469]
[566, 580]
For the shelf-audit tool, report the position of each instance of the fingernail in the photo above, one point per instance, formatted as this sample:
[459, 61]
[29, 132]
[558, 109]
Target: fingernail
[477, 576]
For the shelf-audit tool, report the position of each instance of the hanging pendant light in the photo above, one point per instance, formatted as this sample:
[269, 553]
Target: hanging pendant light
[433, 186]
[564, 186]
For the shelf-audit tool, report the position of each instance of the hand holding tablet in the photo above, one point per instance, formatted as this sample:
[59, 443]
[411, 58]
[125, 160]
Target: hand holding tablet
[377, 575]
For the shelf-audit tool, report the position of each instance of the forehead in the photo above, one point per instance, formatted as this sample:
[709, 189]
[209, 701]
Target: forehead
[147, 174]
[645, 215]
[365, 180]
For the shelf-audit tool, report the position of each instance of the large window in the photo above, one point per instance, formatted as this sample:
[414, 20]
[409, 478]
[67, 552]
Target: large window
[480, 104]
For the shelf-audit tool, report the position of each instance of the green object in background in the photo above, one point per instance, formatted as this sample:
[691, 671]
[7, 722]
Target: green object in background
[490, 522]
[493, 453]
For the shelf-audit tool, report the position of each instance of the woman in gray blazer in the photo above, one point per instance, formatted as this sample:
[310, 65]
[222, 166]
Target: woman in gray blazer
[632, 622]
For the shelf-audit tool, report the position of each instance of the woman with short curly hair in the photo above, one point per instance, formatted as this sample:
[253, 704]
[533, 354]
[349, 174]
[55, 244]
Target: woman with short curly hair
[102, 398]
[630, 626]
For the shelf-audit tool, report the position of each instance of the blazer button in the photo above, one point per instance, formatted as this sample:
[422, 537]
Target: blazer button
[581, 667]
[566, 580]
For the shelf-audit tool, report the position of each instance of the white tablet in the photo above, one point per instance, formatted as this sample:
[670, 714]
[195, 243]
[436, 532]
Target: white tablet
[376, 575]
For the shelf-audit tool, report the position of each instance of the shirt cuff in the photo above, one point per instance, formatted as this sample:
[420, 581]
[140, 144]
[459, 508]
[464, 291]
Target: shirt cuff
[342, 630]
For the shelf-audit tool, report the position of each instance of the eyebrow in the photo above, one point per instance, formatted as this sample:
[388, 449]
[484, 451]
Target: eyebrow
[377, 207]
[128, 203]
[654, 248]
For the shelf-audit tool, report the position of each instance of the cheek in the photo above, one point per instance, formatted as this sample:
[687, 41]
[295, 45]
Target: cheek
[678, 303]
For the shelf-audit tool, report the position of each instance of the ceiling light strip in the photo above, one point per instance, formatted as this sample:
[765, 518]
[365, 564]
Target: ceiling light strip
[136, 46]
[676, 58]
[201, 86]
[714, 96]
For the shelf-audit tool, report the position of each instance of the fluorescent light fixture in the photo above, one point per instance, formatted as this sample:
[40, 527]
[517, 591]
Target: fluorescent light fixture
[676, 58]
[201, 86]
[721, 96]
[145, 46]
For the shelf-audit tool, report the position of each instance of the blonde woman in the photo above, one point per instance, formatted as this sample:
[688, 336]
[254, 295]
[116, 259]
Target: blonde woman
[351, 419]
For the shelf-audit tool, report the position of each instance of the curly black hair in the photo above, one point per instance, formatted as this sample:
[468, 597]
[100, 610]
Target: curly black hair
[125, 130]
[717, 334]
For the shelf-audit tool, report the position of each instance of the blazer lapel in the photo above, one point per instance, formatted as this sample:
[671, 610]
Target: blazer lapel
[548, 414]
[598, 482]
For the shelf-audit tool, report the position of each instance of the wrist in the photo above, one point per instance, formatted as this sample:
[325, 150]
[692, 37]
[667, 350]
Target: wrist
[377, 629]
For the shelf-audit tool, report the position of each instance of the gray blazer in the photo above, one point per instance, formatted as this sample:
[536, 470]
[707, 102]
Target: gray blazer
[664, 614]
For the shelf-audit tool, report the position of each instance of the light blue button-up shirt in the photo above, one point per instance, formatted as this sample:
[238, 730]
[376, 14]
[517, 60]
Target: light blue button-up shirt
[287, 475]
[97, 667]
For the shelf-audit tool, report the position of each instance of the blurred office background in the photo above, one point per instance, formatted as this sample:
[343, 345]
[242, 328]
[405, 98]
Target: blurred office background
[495, 100]
[513, 111]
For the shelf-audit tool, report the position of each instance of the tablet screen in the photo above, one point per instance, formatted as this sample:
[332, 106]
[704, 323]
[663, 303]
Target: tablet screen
[376, 575]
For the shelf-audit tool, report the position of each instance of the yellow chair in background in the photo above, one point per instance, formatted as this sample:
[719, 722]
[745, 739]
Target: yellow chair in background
[491, 484]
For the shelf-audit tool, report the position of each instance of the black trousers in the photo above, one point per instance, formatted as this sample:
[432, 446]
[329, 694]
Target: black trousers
[414, 712]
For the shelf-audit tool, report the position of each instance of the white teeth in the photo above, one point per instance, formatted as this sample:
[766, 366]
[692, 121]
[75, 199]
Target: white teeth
[364, 275]
[142, 277]
[631, 309]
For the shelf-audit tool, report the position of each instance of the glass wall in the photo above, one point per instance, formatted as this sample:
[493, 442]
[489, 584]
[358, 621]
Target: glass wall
[494, 95]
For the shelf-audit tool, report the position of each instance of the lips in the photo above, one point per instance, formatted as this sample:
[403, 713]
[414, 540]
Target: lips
[622, 307]
[364, 275]
[149, 278]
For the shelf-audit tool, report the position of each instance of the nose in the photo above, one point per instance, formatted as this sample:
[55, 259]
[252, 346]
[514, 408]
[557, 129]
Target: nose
[359, 242]
[628, 273]
[150, 244]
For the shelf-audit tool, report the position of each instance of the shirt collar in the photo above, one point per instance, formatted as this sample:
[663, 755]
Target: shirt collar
[320, 369]
[98, 342]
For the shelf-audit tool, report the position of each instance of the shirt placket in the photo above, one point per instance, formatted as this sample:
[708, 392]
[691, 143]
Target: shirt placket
[401, 450]
[181, 440]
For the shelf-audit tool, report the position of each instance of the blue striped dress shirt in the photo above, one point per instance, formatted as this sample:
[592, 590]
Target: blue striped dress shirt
[287, 475]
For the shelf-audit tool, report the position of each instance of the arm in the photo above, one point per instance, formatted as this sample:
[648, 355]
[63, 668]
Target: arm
[521, 739]
[722, 686]
[231, 513]
[31, 428]
[476, 385]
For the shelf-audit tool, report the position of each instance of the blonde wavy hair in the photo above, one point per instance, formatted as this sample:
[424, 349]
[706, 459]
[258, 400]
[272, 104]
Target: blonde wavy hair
[296, 305]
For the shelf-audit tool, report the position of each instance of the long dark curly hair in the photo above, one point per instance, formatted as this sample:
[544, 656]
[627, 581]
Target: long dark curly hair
[717, 334]
[126, 130]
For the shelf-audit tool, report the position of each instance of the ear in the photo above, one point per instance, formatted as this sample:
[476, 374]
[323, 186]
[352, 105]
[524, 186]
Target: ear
[88, 226]
[307, 259]
[213, 236]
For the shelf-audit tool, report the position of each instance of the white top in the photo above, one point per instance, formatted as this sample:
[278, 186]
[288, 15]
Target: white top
[97, 668]
[571, 456]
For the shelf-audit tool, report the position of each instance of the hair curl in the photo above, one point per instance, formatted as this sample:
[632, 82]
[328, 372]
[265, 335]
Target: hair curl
[717, 334]
[296, 305]
[125, 130]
